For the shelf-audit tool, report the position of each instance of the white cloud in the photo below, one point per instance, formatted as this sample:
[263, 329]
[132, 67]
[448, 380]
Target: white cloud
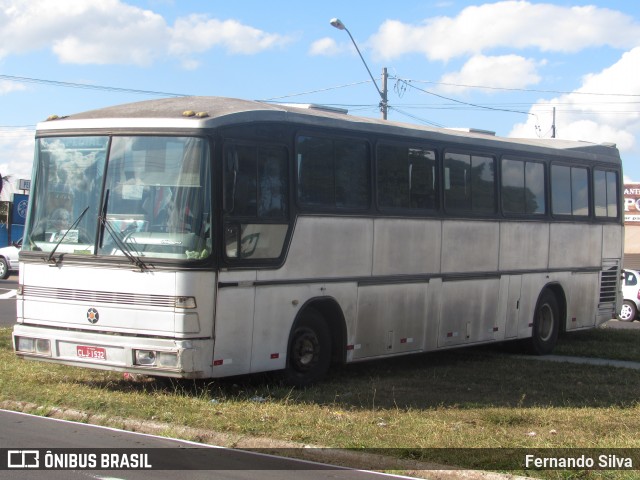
[113, 32]
[325, 46]
[198, 33]
[514, 72]
[7, 87]
[513, 24]
[16, 152]
[595, 118]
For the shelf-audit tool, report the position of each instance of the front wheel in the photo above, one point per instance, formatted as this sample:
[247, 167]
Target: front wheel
[309, 354]
[546, 325]
[627, 312]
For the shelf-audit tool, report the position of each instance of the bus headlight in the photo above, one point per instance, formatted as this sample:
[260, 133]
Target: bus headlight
[24, 344]
[145, 357]
[39, 346]
[43, 346]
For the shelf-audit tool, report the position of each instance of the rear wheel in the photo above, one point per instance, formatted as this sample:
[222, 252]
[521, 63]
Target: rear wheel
[309, 354]
[627, 312]
[546, 325]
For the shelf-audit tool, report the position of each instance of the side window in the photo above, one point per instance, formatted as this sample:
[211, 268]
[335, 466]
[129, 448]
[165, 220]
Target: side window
[605, 193]
[523, 187]
[333, 173]
[630, 279]
[569, 190]
[469, 183]
[406, 177]
[255, 200]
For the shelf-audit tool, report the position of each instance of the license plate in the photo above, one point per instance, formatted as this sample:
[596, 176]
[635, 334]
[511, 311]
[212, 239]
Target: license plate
[95, 353]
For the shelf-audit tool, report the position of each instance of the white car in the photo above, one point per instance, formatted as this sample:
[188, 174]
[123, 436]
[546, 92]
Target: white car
[9, 259]
[631, 296]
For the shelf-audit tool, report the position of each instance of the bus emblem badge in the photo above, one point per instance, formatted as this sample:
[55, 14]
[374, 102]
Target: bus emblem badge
[93, 316]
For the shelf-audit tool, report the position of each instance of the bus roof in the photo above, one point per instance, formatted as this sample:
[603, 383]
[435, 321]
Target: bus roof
[198, 113]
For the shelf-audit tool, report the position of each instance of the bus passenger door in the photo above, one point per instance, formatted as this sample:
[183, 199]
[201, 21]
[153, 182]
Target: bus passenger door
[233, 330]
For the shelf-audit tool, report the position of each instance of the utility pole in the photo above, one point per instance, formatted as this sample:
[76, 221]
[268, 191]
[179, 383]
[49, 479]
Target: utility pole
[553, 126]
[383, 94]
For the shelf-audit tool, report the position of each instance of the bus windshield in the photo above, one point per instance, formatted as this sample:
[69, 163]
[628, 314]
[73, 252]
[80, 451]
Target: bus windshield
[132, 196]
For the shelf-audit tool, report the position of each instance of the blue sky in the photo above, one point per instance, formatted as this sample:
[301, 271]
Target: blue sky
[500, 66]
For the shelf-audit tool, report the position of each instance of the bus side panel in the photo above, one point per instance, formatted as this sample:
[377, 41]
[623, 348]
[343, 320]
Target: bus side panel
[469, 312]
[583, 300]
[574, 245]
[391, 319]
[234, 323]
[327, 247]
[470, 246]
[405, 247]
[523, 246]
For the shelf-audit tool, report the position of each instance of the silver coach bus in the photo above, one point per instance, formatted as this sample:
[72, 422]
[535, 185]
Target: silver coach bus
[204, 237]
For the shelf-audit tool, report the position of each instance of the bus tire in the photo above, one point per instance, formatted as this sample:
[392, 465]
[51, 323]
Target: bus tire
[546, 325]
[309, 352]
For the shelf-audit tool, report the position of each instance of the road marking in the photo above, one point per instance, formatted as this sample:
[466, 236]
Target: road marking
[9, 294]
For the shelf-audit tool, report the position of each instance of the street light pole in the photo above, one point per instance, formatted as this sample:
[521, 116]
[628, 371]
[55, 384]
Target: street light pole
[335, 22]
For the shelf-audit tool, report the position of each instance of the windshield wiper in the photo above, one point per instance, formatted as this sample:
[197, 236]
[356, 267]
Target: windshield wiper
[122, 245]
[73, 226]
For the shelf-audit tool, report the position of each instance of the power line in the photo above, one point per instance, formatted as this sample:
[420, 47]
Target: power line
[315, 91]
[530, 90]
[408, 83]
[88, 86]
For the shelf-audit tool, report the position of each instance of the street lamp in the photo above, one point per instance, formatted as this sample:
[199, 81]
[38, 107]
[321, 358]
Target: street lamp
[335, 22]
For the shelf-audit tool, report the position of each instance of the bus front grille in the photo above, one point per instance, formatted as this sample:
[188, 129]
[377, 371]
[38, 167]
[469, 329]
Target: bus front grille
[92, 297]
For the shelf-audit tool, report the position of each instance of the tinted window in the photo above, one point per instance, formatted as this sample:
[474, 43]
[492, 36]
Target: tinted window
[469, 182]
[333, 173]
[256, 181]
[569, 190]
[406, 177]
[523, 187]
[605, 193]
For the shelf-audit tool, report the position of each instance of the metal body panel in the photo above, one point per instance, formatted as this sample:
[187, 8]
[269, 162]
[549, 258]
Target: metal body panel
[583, 300]
[391, 319]
[324, 247]
[575, 245]
[524, 246]
[126, 301]
[470, 246]
[405, 247]
[469, 312]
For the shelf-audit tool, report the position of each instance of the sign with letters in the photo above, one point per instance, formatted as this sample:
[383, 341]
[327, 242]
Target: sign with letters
[632, 203]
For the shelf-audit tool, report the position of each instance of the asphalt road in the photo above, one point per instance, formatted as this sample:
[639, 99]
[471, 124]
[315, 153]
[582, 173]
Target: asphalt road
[29, 434]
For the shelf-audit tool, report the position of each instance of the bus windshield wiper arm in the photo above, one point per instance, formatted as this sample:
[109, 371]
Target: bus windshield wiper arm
[122, 245]
[73, 225]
